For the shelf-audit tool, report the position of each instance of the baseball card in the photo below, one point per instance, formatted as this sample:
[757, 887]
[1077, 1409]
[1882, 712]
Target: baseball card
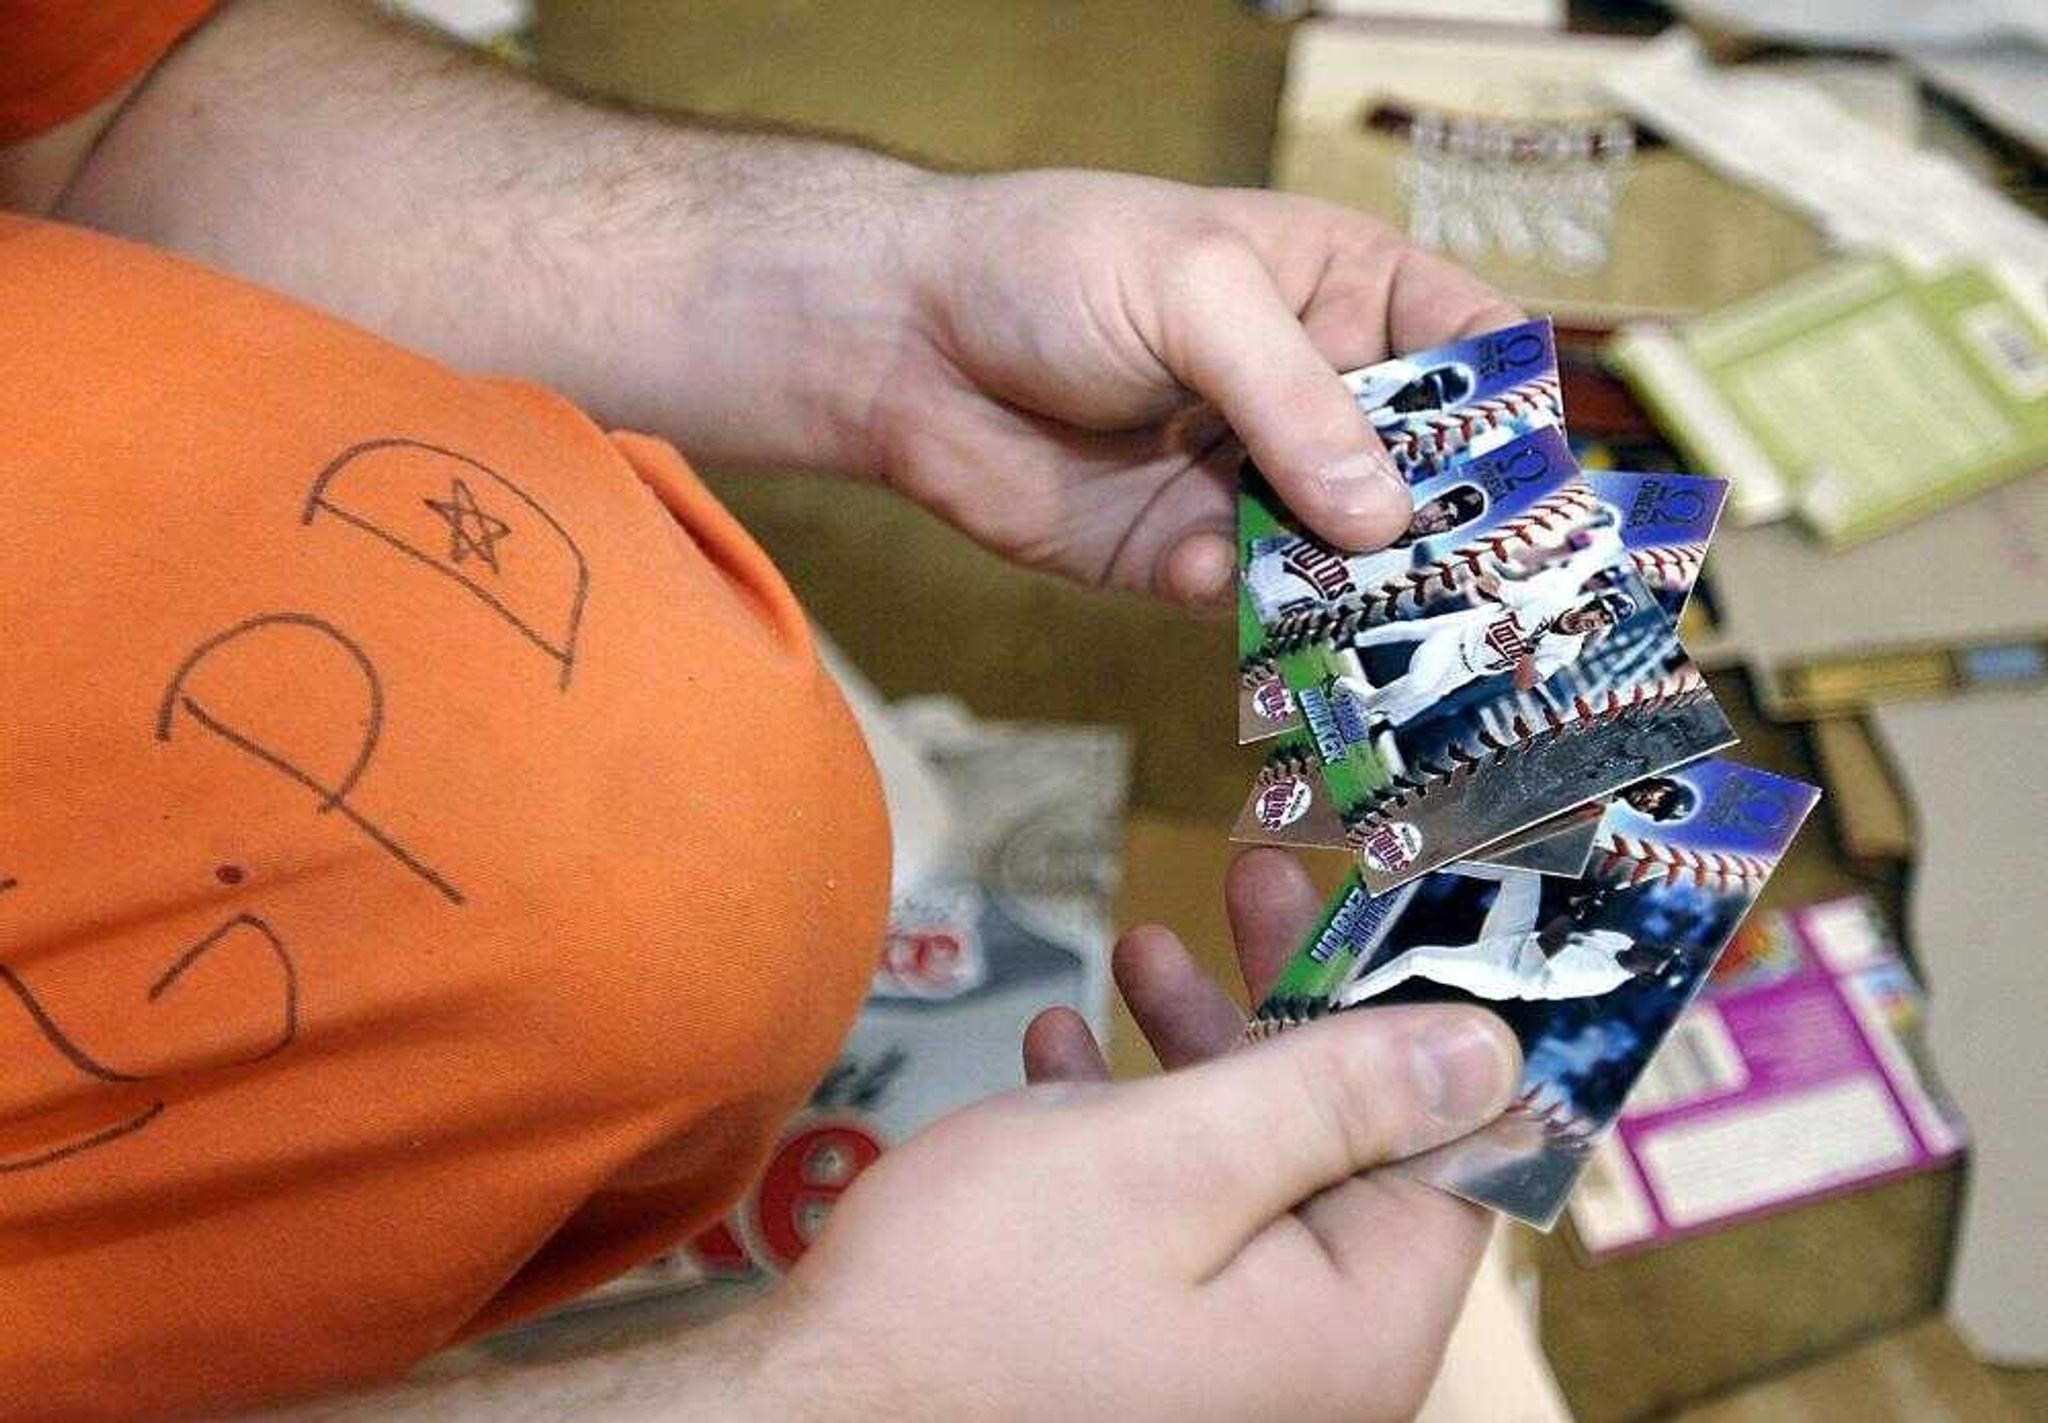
[1560, 845]
[1291, 807]
[1531, 671]
[1590, 972]
[1290, 803]
[1431, 406]
[1431, 410]
[1665, 522]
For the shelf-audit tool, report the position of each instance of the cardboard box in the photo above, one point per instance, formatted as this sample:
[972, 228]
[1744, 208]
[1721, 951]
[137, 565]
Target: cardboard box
[1799, 1074]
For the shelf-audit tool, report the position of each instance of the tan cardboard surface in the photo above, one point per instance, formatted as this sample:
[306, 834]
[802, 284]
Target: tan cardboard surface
[1976, 771]
[1975, 573]
[1921, 1374]
[1863, 803]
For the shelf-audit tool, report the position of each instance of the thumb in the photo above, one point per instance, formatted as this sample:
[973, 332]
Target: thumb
[1230, 337]
[1264, 1129]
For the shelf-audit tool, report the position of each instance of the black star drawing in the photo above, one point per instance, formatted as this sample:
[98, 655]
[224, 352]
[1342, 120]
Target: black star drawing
[470, 529]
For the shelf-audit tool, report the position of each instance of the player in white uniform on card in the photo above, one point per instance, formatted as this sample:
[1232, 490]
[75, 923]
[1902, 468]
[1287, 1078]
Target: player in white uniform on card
[1528, 627]
[1513, 959]
[1397, 390]
[1286, 572]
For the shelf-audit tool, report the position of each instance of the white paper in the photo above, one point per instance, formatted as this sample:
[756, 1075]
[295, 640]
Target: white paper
[1786, 137]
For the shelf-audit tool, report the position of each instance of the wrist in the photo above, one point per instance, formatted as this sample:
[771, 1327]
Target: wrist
[870, 293]
[763, 330]
[717, 1369]
[799, 1369]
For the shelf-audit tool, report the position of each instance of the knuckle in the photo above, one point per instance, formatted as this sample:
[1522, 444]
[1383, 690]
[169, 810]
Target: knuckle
[1346, 1085]
[1206, 258]
[972, 1139]
[1373, 246]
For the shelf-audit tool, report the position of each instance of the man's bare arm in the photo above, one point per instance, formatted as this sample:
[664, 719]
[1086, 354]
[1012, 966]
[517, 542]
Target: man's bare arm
[709, 1370]
[1040, 358]
[1120, 1269]
[445, 201]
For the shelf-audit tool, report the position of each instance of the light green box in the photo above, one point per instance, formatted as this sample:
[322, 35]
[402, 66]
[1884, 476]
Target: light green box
[1859, 397]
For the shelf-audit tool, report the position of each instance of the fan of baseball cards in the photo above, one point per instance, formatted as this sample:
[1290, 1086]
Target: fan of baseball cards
[1495, 717]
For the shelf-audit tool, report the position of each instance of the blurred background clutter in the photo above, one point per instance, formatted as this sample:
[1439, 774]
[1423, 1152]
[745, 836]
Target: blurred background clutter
[1797, 244]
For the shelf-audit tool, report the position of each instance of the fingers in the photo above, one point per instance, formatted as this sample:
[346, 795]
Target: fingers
[1267, 1128]
[1432, 300]
[1058, 1047]
[1273, 904]
[1178, 1007]
[1228, 335]
[1200, 571]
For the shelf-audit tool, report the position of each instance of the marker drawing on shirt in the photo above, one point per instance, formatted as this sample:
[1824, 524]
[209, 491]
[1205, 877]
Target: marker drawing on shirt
[88, 1064]
[468, 523]
[471, 530]
[334, 792]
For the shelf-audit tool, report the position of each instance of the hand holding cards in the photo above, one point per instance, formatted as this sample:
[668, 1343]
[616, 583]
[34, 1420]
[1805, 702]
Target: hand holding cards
[1590, 970]
[1452, 708]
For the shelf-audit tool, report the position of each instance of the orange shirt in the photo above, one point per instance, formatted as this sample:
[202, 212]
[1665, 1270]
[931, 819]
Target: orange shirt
[432, 861]
[59, 58]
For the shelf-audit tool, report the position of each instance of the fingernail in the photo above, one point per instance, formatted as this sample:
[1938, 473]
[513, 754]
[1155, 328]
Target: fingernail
[1360, 484]
[1463, 1067]
[1204, 570]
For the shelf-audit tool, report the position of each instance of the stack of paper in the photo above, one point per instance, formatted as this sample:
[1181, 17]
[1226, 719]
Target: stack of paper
[1860, 397]
[1911, 374]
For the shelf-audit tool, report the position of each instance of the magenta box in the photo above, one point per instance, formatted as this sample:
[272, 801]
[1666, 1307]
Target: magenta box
[1798, 1074]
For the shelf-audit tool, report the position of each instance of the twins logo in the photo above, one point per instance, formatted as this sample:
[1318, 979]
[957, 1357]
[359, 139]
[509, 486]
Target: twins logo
[1392, 847]
[1321, 568]
[1505, 638]
[1271, 700]
[1283, 802]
